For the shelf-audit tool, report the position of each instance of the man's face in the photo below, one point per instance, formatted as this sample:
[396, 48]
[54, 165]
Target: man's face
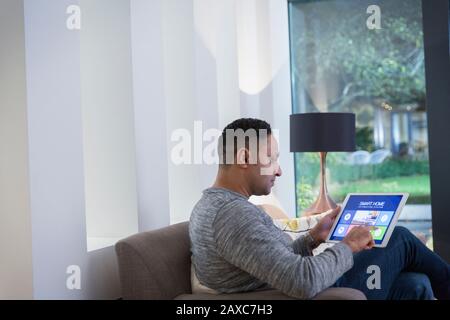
[264, 173]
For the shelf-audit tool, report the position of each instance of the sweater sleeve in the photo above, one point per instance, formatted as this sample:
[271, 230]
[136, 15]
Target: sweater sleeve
[244, 240]
[304, 245]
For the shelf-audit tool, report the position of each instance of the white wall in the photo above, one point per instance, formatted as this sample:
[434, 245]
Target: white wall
[150, 114]
[94, 120]
[281, 101]
[55, 137]
[240, 69]
[179, 93]
[222, 60]
[108, 122]
[15, 219]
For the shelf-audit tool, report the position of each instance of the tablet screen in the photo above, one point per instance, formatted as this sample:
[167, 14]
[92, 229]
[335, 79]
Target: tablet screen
[370, 210]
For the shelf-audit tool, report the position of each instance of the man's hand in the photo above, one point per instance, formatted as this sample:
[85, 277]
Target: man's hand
[323, 227]
[359, 238]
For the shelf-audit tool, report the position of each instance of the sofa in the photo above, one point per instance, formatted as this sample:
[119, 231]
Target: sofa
[157, 265]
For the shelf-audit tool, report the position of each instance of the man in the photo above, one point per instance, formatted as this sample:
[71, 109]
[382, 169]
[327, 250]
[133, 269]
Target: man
[236, 247]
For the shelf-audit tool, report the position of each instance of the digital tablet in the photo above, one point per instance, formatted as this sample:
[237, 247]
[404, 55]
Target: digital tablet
[379, 210]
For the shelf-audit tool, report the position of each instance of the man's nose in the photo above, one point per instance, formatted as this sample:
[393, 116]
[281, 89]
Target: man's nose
[278, 172]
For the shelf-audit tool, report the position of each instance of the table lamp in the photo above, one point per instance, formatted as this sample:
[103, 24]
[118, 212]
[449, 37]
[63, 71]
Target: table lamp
[322, 133]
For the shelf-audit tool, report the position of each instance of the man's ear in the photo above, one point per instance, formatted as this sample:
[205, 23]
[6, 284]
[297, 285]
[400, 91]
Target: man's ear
[243, 157]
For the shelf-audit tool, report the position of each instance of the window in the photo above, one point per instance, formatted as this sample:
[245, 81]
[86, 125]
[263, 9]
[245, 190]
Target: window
[352, 56]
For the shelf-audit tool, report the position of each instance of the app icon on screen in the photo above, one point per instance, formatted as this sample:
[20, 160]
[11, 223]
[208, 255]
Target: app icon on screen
[378, 233]
[384, 218]
[366, 217]
[341, 230]
[347, 216]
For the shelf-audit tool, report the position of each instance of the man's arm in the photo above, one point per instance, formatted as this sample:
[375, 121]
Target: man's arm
[317, 235]
[244, 240]
[305, 244]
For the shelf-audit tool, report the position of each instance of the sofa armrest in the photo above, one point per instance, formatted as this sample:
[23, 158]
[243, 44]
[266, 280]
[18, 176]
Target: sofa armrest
[155, 264]
[135, 278]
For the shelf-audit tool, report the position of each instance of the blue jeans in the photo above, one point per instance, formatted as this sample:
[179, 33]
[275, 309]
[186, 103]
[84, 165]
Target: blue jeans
[408, 270]
[411, 286]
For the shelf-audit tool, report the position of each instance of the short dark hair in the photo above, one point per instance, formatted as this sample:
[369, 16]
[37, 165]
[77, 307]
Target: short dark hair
[243, 124]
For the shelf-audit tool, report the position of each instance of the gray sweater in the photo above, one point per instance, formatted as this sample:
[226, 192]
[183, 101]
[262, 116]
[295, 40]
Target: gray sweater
[236, 247]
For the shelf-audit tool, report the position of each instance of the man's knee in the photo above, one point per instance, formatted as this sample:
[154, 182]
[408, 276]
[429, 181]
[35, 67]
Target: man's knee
[400, 231]
[412, 286]
[421, 287]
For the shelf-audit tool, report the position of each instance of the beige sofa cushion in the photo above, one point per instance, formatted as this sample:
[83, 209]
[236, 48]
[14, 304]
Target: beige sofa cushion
[197, 287]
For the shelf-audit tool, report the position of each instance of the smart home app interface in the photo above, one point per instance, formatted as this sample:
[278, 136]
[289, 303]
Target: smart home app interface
[370, 210]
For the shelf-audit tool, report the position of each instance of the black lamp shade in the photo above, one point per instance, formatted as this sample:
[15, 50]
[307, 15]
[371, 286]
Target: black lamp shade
[322, 132]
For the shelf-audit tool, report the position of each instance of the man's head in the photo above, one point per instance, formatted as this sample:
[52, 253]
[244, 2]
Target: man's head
[249, 152]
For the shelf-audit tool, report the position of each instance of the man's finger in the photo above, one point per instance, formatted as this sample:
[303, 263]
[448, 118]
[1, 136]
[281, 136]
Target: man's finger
[335, 211]
[370, 244]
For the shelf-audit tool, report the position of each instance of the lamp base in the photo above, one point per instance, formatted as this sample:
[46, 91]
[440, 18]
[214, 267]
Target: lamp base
[322, 204]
